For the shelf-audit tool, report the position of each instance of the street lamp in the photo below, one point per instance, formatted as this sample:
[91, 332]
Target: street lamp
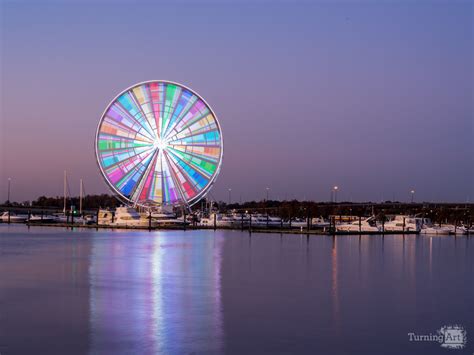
[412, 192]
[335, 188]
[230, 191]
[268, 189]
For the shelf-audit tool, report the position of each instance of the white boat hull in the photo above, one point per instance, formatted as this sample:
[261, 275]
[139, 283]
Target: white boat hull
[355, 229]
[14, 219]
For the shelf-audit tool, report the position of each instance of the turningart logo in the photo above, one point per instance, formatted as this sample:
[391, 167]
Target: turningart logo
[454, 336]
[448, 336]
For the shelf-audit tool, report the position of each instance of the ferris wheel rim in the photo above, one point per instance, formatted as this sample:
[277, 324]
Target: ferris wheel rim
[213, 178]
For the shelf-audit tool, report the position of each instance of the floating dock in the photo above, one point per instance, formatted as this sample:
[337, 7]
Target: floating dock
[256, 229]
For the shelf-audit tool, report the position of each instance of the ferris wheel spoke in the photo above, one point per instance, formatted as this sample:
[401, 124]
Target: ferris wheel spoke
[186, 125]
[196, 134]
[129, 160]
[171, 187]
[177, 100]
[127, 182]
[128, 106]
[183, 150]
[168, 190]
[208, 138]
[121, 148]
[191, 162]
[115, 129]
[108, 141]
[144, 178]
[120, 129]
[136, 109]
[111, 159]
[168, 97]
[184, 116]
[154, 100]
[162, 91]
[174, 100]
[193, 176]
[137, 140]
[174, 170]
[118, 149]
[113, 135]
[185, 103]
[139, 96]
[117, 117]
[156, 189]
[145, 188]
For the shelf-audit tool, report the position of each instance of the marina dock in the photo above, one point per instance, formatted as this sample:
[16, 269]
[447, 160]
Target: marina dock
[273, 217]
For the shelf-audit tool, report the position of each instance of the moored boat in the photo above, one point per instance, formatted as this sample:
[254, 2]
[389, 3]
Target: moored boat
[166, 218]
[427, 227]
[129, 217]
[13, 217]
[35, 218]
[367, 225]
[403, 223]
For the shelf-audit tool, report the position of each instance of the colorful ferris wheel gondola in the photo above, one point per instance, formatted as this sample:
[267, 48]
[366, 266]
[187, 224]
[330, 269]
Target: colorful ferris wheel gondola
[159, 143]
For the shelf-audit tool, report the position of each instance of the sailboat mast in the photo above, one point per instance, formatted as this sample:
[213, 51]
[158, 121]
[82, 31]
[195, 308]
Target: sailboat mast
[80, 197]
[65, 182]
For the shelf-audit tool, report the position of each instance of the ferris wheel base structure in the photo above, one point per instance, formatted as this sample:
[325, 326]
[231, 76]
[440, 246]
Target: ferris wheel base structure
[159, 145]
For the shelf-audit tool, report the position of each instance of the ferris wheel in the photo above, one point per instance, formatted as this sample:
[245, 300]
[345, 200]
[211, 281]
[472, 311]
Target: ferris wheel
[158, 143]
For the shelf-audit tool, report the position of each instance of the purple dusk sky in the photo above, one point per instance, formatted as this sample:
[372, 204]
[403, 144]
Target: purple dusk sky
[373, 96]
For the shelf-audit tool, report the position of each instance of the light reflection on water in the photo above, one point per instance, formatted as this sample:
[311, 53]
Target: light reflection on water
[160, 290]
[228, 292]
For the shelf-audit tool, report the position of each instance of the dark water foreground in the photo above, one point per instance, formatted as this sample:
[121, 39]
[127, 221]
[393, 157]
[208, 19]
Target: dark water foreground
[175, 292]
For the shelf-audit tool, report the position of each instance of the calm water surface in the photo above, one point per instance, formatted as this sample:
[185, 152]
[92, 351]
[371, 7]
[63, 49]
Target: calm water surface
[206, 292]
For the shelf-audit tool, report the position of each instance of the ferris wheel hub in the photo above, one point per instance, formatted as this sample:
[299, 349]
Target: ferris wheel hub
[160, 144]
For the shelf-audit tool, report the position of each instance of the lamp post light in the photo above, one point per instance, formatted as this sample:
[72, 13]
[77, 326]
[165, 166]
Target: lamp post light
[268, 189]
[412, 192]
[335, 188]
[230, 195]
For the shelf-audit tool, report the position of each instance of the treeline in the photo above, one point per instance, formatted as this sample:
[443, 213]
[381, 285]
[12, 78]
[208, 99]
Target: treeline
[89, 202]
[438, 212]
